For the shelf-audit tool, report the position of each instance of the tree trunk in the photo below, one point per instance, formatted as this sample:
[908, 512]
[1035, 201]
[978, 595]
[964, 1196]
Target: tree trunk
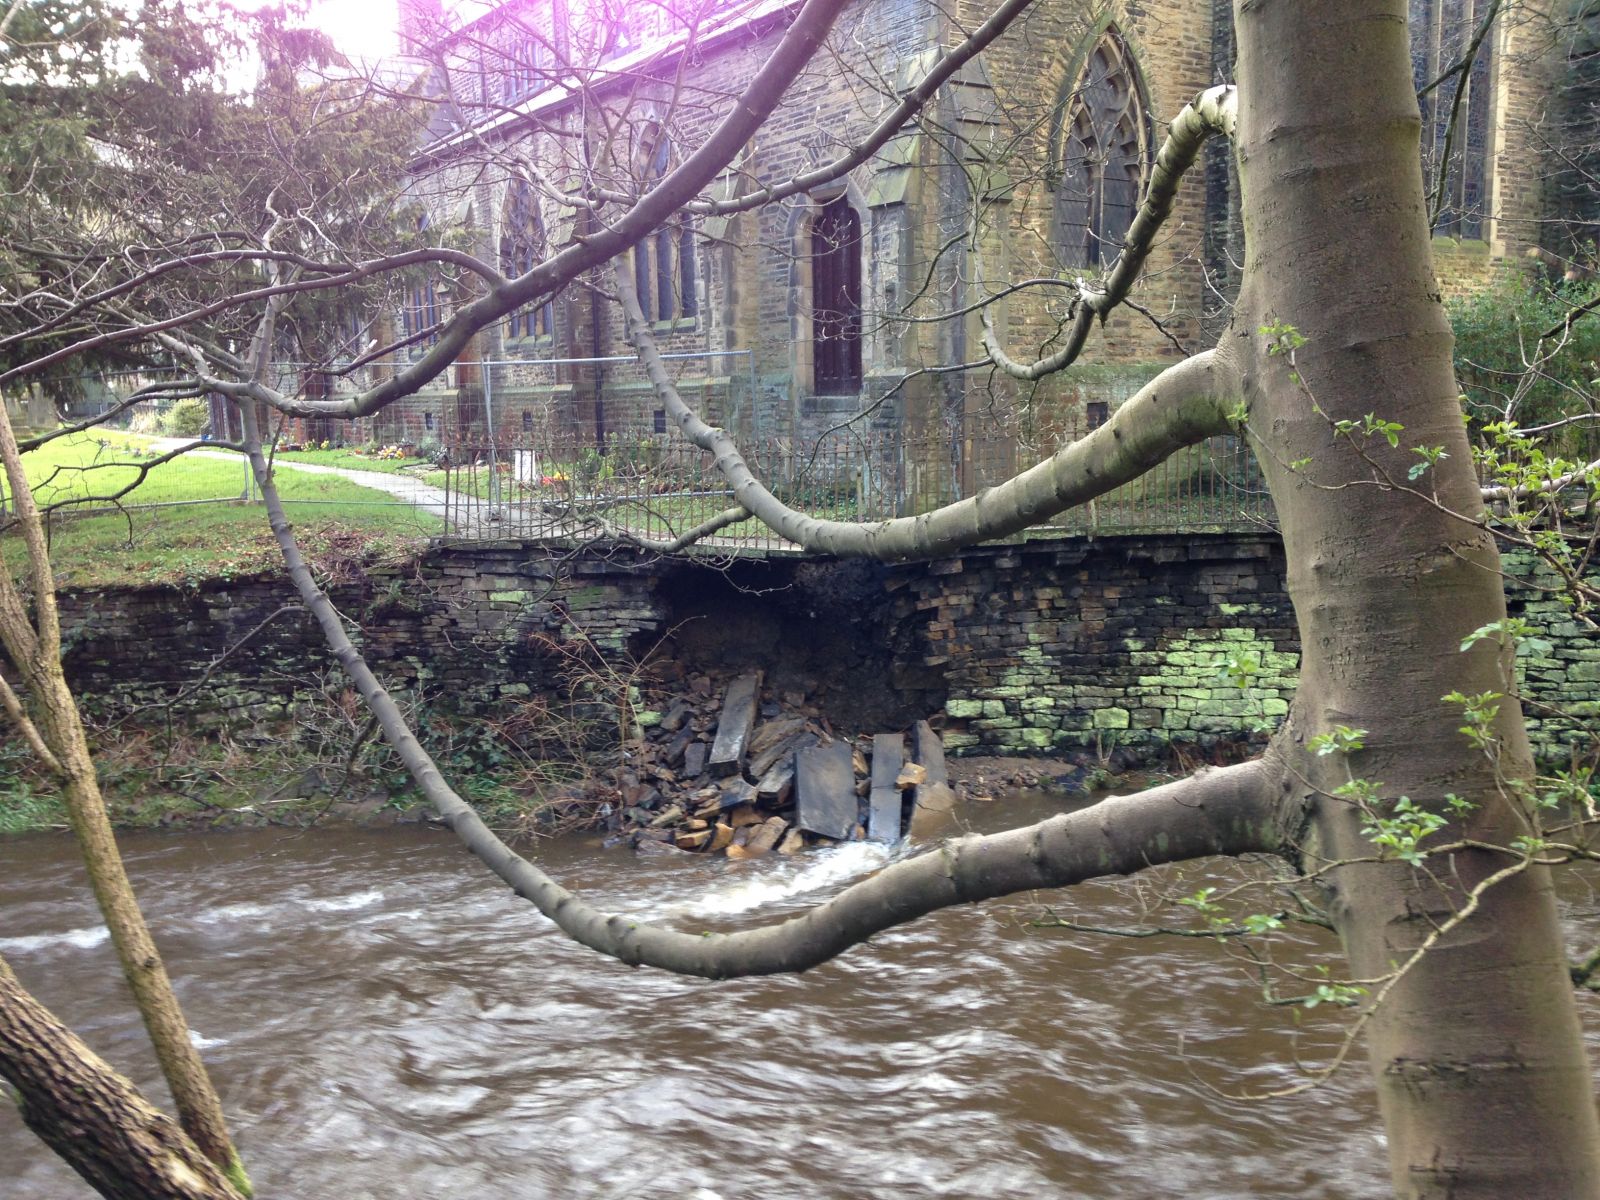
[92, 1117]
[1480, 1066]
[57, 728]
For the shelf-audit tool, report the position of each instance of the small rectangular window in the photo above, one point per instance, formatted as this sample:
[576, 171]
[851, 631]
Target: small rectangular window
[427, 421]
[1098, 411]
[660, 421]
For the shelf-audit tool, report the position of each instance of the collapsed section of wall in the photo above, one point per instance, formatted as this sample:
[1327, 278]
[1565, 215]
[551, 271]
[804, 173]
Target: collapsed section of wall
[1042, 647]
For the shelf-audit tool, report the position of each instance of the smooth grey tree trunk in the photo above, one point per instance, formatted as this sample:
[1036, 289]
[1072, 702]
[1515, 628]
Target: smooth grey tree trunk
[1480, 1066]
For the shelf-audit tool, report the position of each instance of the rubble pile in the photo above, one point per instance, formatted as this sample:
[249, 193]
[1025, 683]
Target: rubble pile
[744, 775]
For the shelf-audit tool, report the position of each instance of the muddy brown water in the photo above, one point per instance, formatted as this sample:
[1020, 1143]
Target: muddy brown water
[385, 1020]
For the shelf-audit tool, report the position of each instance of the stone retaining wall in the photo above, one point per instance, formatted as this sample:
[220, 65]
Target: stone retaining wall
[1032, 648]
[1119, 642]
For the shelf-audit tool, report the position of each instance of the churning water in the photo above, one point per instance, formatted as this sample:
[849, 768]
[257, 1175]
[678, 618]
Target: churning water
[384, 1019]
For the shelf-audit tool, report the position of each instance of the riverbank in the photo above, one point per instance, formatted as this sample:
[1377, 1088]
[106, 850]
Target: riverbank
[268, 779]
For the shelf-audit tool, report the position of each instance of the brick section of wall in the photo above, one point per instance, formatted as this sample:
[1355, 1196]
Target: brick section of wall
[1032, 648]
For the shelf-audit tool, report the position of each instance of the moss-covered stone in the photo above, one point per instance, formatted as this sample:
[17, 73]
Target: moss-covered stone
[1111, 718]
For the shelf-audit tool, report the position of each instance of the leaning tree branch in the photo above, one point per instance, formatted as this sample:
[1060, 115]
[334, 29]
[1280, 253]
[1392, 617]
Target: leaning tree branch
[60, 727]
[91, 1116]
[1212, 112]
[12, 704]
[1231, 811]
[1185, 404]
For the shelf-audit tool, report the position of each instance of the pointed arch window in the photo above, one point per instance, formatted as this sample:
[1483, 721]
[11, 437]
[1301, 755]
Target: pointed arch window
[421, 311]
[836, 298]
[522, 247]
[1441, 31]
[1104, 144]
[525, 62]
[663, 263]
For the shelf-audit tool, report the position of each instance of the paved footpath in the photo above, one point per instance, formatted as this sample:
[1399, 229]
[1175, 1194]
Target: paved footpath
[413, 491]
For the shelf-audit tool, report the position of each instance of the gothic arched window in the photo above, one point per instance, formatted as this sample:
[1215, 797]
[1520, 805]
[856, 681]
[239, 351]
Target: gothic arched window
[663, 263]
[521, 249]
[1103, 147]
[1441, 31]
[836, 298]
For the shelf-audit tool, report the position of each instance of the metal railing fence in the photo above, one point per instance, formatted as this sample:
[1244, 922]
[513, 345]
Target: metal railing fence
[655, 486]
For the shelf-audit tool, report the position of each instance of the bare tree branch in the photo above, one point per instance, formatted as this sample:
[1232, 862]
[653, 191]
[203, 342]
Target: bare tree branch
[1185, 404]
[1212, 112]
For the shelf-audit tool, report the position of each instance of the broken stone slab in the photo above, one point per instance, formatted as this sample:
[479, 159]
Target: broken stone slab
[767, 835]
[671, 815]
[932, 801]
[825, 790]
[884, 802]
[694, 760]
[679, 745]
[773, 732]
[935, 816]
[677, 716]
[733, 730]
[783, 753]
[769, 743]
[736, 792]
[777, 785]
[654, 845]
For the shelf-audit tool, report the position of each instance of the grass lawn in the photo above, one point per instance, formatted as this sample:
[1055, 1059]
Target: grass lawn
[341, 524]
[90, 468]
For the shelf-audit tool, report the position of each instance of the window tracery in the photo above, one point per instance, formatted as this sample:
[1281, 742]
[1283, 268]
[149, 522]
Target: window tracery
[522, 247]
[664, 263]
[1441, 32]
[1104, 144]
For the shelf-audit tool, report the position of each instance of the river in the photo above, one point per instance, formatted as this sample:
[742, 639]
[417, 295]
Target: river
[384, 1019]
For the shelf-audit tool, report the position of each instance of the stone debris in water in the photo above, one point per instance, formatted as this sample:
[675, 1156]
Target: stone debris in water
[932, 801]
[773, 777]
[886, 799]
[825, 790]
[733, 730]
